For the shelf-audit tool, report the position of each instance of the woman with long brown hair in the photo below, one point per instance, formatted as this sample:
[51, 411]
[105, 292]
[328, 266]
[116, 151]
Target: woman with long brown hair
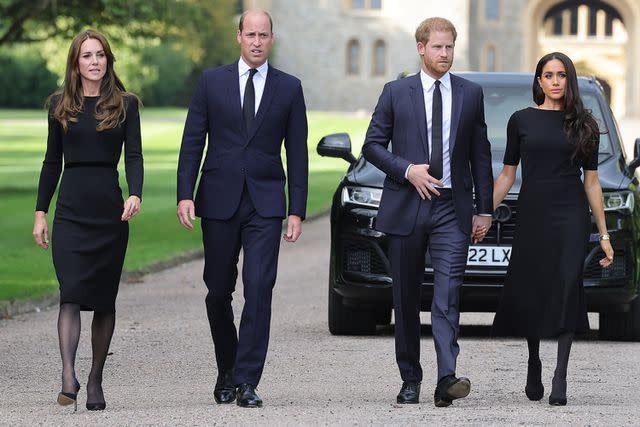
[543, 294]
[91, 118]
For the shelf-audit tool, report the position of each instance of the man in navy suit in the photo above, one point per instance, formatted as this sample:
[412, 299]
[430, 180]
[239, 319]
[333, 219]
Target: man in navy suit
[439, 153]
[246, 109]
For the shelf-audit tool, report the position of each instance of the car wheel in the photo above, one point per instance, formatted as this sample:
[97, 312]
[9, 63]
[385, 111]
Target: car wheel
[623, 326]
[349, 321]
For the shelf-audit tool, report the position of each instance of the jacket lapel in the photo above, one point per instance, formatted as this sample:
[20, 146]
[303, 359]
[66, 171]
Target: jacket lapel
[233, 94]
[417, 97]
[457, 98]
[270, 89]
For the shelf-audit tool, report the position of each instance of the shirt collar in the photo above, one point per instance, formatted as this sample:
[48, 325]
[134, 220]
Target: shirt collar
[428, 81]
[243, 68]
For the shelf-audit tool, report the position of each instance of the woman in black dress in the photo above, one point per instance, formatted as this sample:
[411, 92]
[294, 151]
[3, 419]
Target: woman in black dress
[90, 119]
[543, 293]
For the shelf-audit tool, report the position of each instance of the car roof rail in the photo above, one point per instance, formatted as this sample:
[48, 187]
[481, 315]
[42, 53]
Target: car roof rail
[404, 74]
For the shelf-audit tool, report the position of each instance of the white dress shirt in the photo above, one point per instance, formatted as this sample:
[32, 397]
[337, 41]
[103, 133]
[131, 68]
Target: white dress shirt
[428, 86]
[259, 79]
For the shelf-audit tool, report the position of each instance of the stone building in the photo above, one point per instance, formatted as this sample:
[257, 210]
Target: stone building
[345, 50]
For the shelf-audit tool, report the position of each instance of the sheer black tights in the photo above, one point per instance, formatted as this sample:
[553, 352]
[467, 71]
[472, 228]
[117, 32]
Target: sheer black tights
[69, 334]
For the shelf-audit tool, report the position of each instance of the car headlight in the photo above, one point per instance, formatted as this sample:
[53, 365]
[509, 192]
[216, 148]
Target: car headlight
[621, 201]
[361, 196]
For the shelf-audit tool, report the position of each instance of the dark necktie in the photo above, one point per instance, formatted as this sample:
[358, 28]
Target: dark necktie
[435, 168]
[249, 102]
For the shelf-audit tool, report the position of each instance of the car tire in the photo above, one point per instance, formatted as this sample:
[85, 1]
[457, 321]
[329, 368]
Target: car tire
[349, 321]
[623, 326]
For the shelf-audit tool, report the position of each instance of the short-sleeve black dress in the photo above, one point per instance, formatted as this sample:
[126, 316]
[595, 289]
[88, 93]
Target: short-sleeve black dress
[543, 293]
[89, 240]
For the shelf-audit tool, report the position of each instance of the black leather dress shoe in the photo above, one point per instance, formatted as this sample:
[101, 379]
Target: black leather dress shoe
[247, 397]
[450, 388]
[225, 390]
[409, 393]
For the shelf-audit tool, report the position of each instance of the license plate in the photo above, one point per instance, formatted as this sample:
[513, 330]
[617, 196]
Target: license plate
[489, 255]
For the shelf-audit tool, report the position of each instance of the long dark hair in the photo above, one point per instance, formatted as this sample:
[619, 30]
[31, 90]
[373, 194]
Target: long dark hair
[579, 124]
[69, 100]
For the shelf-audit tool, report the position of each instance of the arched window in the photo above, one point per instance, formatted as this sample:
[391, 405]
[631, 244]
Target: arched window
[379, 58]
[353, 57]
[593, 18]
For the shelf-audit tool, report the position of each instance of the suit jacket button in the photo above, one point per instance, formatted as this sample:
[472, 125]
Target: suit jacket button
[243, 170]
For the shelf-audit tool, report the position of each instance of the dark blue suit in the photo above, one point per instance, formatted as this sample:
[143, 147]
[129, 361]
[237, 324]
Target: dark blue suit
[241, 200]
[443, 225]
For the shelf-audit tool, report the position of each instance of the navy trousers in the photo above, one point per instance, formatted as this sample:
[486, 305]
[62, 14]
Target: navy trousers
[244, 354]
[436, 230]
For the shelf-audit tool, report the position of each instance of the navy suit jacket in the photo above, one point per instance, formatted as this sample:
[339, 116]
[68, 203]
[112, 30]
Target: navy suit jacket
[236, 155]
[400, 117]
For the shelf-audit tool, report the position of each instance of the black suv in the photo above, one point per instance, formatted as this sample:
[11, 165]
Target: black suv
[359, 278]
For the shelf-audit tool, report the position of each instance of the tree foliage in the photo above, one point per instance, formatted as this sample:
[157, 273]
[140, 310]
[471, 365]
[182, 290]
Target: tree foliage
[25, 80]
[25, 21]
[161, 46]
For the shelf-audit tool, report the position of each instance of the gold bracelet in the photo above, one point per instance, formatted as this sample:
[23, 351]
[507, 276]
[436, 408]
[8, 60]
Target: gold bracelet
[604, 237]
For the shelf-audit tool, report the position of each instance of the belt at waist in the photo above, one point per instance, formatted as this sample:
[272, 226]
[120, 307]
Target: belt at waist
[70, 165]
[445, 193]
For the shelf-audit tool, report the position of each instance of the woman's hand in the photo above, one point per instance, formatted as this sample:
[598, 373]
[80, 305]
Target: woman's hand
[41, 230]
[608, 251]
[131, 208]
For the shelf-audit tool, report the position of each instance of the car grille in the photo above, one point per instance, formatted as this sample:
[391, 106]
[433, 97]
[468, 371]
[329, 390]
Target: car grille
[360, 256]
[503, 232]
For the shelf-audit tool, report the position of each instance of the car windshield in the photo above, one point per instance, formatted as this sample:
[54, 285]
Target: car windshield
[501, 102]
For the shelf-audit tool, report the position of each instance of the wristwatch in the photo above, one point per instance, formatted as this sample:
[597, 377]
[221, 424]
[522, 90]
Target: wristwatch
[604, 237]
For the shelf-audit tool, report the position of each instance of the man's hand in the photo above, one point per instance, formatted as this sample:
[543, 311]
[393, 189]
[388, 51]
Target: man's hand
[186, 213]
[424, 183]
[294, 228]
[480, 227]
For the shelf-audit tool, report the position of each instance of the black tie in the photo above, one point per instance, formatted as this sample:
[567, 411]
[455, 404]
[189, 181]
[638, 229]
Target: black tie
[435, 168]
[249, 102]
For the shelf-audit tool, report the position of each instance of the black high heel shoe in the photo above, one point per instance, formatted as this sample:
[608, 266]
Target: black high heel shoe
[534, 388]
[558, 396]
[66, 399]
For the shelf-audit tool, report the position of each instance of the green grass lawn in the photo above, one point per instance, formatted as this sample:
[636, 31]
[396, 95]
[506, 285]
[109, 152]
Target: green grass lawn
[155, 235]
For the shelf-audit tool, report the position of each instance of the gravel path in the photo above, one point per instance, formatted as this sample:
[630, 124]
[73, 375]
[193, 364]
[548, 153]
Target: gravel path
[162, 369]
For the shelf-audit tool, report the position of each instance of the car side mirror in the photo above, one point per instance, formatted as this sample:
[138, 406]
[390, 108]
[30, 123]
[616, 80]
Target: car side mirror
[636, 156]
[336, 145]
